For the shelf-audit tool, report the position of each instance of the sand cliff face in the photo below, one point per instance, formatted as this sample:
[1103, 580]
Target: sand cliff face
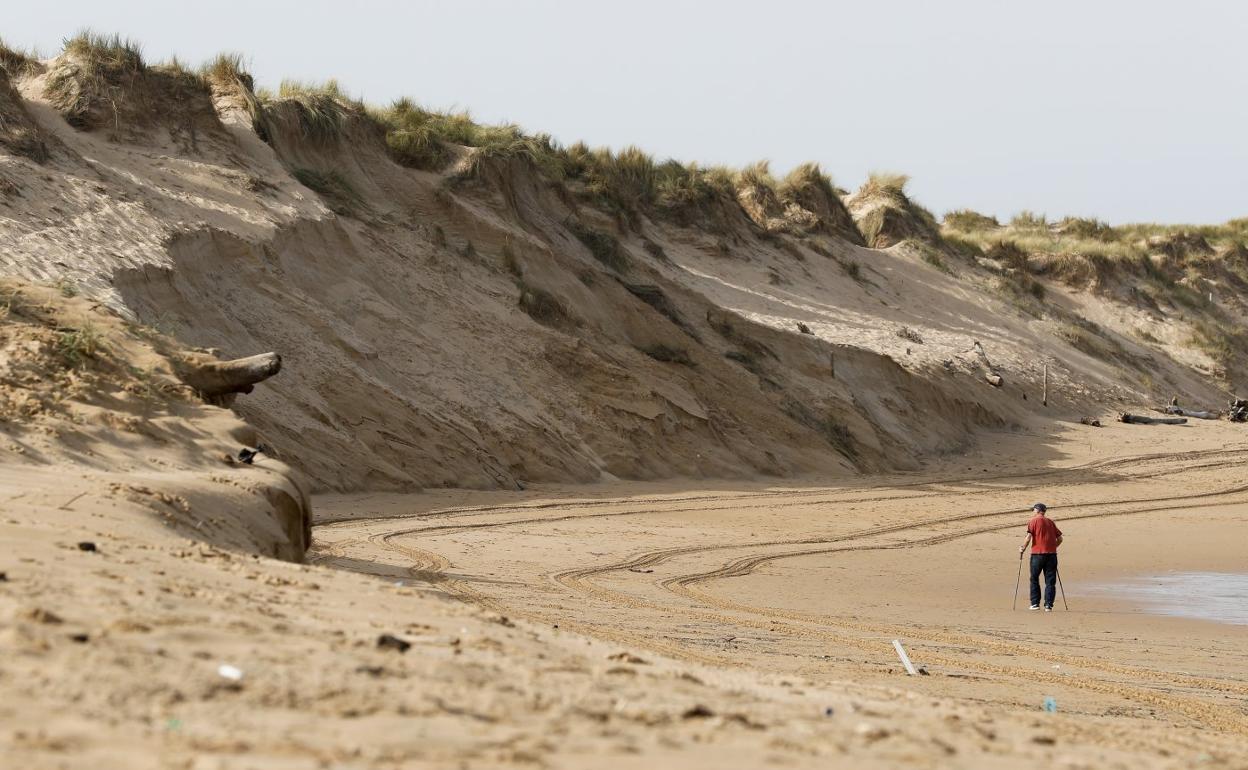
[491, 329]
[443, 333]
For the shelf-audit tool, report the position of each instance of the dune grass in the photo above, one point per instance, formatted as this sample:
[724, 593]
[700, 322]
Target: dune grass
[891, 216]
[679, 186]
[98, 70]
[1085, 251]
[968, 221]
[78, 345]
[323, 109]
[756, 175]
[15, 61]
[227, 69]
[1029, 220]
[887, 185]
[421, 138]
[626, 181]
[804, 182]
[113, 52]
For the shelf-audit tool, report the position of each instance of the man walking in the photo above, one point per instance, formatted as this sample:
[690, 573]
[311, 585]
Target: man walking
[1044, 537]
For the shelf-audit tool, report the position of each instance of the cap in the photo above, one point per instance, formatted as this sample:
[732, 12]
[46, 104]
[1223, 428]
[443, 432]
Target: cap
[1040, 507]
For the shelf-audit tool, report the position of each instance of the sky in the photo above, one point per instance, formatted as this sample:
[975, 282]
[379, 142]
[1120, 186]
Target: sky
[1127, 111]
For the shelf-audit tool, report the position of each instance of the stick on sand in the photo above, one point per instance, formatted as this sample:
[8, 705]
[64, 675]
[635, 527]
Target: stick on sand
[905, 659]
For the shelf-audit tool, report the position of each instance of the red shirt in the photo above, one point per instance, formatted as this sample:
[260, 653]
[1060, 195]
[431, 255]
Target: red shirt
[1044, 534]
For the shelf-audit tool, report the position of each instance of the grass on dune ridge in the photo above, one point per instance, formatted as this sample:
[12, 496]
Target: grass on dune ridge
[1087, 237]
[15, 61]
[629, 179]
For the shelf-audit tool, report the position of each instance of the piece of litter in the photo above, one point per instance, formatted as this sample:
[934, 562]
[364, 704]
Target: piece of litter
[248, 456]
[1050, 704]
[173, 724]
[226, 671]
[391, 642]
[905, 659]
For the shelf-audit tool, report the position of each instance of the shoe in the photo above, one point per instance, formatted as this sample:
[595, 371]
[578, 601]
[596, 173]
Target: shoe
[1048, 609]
[1034, 607]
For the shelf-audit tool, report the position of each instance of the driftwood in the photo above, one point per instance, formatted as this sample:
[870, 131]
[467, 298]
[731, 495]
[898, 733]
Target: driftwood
[991, 375]
[1136, 419]
[216, 379]
[1239, 410]
[1095, 423]
[1197, 413]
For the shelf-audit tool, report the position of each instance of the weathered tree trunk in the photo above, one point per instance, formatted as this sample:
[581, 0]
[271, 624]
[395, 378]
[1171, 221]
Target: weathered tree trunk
[216, 379]
[1136, 419]
[1197, 413]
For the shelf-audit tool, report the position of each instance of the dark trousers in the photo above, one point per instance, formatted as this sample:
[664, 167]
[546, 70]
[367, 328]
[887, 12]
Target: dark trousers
[1048, 563]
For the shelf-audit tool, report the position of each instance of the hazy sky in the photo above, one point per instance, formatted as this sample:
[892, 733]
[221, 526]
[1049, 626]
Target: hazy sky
[1129, 111]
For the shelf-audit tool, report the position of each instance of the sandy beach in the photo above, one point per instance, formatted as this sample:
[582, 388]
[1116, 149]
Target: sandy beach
[814, 582]
[355, 435]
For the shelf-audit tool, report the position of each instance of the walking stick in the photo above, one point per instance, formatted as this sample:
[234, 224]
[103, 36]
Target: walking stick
[1017, 581]
[1062, 589]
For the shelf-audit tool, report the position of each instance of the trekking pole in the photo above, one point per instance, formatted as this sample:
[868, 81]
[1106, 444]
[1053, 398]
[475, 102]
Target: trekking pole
[1062, 589]
[1017, 581]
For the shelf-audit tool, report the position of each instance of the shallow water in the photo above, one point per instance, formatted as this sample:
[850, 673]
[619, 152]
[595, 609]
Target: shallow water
[1217, 596]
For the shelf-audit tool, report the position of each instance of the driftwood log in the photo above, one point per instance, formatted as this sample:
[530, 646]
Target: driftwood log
[991, 375]
[1136, 419]
[219, 380]
[1197, 413]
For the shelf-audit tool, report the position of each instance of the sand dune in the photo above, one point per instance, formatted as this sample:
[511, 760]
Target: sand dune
[610, 480]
